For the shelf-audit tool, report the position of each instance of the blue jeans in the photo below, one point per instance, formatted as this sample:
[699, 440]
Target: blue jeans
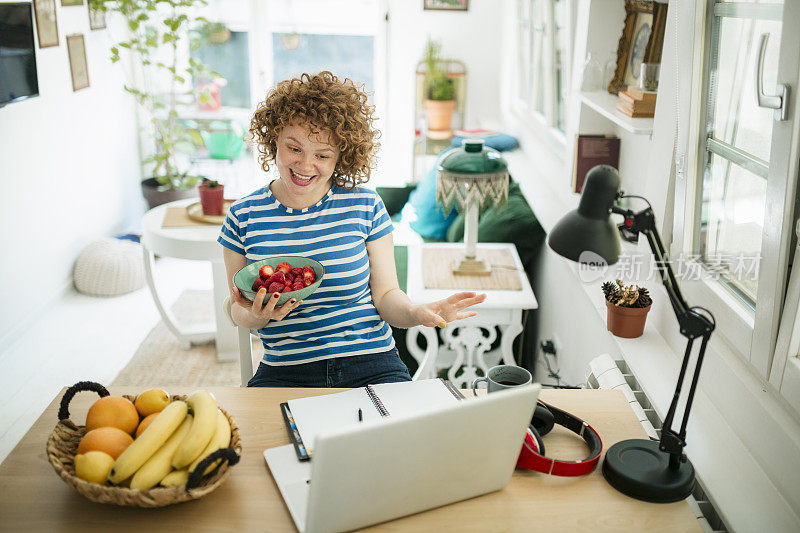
[344, 372]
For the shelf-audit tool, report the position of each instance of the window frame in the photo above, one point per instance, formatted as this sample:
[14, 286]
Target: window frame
[545, 120]
[750, 334]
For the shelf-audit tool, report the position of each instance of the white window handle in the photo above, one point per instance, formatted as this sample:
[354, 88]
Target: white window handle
[778, 102]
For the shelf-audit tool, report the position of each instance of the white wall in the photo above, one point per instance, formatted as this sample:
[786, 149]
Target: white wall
[472, 37]
[69, 171]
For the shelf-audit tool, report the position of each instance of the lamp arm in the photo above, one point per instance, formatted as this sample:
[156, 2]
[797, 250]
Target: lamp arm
[692, 325]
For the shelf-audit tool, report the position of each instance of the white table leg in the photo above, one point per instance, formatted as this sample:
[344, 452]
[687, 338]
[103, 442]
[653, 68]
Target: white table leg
[426, 359]
[471, 342]
[227, 339]
[186, 336]
[510, 333]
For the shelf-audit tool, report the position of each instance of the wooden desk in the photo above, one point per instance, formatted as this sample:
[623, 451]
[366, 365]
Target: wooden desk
[33, 497]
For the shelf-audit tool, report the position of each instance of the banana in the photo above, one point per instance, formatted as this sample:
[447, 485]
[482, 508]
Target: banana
[221, 439]
[148, 442]
[158, 466]
[176, 478]
[204, 409]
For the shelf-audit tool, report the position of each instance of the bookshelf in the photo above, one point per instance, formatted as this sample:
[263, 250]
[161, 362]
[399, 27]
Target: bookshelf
[606, 104]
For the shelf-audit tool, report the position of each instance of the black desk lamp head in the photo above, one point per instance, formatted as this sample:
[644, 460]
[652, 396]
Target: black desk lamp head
[655, 471]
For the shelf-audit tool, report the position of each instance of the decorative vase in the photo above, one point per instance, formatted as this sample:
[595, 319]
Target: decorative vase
[211, 198]
[439, 114]
[626, 322]
[156, 194]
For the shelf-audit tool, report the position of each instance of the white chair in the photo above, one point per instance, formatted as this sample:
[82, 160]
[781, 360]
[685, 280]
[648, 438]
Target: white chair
[247, 362]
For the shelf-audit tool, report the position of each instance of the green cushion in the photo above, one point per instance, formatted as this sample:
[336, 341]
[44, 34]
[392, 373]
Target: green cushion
[516, 224]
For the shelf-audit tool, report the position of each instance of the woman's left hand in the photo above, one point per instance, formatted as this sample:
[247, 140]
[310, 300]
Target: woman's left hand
[440, 313]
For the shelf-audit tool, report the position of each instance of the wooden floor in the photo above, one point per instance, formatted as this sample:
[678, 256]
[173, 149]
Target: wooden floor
[82, 338]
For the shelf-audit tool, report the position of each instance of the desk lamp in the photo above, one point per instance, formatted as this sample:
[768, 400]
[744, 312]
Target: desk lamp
[472, 178]
[654, 471]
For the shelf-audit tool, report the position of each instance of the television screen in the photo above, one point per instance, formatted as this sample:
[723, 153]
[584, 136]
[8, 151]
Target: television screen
[18, 79]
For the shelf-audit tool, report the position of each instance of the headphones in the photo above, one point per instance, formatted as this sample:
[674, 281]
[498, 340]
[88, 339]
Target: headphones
[532, 457]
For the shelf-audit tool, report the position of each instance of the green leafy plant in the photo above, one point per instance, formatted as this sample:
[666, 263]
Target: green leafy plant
[438, 86]
[211, 184]
[626, 295]
[156, 29]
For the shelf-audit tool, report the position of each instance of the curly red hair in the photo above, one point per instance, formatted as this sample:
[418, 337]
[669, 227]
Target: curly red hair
[321, 102]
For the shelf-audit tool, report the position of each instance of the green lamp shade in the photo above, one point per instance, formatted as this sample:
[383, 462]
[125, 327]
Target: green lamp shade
[473, 158]
[589, 228]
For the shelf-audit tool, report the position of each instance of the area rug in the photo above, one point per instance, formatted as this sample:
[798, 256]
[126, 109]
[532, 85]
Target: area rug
[160, 362]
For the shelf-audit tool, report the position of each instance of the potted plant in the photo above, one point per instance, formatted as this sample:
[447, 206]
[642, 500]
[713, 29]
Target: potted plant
[627, 307]
[212, 195]
[156, 30]
[439, 92]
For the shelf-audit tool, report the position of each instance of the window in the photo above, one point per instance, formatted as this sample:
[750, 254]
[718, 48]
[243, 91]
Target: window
[542, 59]
[737, 139]
[347, 56]
[734, 212]
[228, 55]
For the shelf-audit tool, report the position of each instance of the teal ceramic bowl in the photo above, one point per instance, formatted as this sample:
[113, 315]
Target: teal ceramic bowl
[245, 277]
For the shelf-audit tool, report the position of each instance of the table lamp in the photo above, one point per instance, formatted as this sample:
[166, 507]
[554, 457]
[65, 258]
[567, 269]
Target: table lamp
[654, 471]
[471, 178]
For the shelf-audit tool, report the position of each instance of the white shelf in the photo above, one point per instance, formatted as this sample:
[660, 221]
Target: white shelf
[606, 104]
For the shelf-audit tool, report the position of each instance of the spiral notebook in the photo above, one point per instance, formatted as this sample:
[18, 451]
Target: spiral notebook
[305, 418]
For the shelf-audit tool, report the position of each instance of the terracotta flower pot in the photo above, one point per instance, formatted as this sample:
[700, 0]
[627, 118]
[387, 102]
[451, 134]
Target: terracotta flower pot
[211, 198]
[626, 322]
[439, 114]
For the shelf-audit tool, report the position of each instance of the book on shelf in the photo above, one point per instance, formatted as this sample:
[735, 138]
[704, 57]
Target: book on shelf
[637, 106]
[590, 151]
[635, 114]
[639, 94]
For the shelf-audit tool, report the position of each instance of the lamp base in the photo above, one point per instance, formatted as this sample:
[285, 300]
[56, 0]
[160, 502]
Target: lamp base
[471, 267]
[638, 468]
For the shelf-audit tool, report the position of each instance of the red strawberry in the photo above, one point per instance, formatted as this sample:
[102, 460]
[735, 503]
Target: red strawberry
[287, 289]
[285, 267]
[308, 267]
[275, 287]
[277, 277]
[289, 278]
[298, 286]
[307, 282]
[257, 284]
[309, 275]
[266, 271]
[297, 271]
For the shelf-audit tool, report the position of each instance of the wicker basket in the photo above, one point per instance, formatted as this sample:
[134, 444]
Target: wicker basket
[63, 444]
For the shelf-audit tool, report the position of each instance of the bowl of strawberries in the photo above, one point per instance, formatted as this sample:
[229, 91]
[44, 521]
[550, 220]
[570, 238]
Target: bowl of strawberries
[291, 275]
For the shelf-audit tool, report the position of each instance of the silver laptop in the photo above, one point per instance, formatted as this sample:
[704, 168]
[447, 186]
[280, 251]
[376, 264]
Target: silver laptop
[376, 471]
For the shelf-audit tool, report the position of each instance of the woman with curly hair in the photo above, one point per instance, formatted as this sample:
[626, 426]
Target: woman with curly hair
[318, 132]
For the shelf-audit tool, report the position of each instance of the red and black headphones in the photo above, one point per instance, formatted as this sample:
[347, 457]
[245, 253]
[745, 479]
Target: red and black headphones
[532, 456]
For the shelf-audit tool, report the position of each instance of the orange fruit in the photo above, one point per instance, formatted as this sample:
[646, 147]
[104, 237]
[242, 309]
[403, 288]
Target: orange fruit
[144, 423]
[113, 411]
[110, 440]
[151, 401]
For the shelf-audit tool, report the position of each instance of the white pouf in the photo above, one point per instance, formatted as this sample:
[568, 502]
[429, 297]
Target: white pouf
[109, 267]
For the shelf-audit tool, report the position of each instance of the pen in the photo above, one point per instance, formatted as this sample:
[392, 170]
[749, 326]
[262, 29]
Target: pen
[360, 415]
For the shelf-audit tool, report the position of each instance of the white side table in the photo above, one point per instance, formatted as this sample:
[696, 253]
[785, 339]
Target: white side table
[197, 243]
[501, 308]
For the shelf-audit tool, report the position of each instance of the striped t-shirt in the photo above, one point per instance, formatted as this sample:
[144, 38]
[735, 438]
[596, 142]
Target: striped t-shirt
[339, 319]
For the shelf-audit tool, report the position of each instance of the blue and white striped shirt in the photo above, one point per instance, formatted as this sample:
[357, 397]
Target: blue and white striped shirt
[339, 319]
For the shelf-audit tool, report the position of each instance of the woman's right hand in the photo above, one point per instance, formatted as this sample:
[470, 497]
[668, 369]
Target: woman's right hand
[262, 310]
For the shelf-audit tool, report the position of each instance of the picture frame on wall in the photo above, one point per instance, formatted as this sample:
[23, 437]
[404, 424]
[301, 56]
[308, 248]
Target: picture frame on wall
[77, 61]
[97, 17]
[46, 23]
[445, 5]
[71, 2]
[641, 41]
